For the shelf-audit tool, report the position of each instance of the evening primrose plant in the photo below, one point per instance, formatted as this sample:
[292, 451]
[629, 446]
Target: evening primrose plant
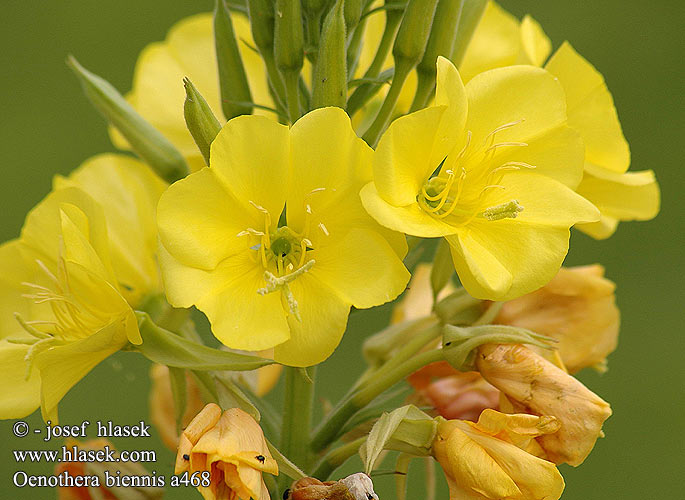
[289, 163]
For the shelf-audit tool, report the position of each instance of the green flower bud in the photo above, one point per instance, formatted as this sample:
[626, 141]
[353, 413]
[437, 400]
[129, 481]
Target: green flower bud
[145, 140]
[313, 10]
[412, 36]
[352, 13]
[471, 14]
[330, 74]
[289, 37]
[459, 344]
[201, 122]
[440, 43]
[235, 90]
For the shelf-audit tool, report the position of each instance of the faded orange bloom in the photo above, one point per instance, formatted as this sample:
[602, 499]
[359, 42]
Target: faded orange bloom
[577, 308]
[535, 385]
[454, 394]
[487, 459]
[87, 470]
[310, 488]
[231, 446]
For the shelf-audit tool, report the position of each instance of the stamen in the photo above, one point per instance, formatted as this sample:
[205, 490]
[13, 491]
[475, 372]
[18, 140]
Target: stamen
[323, 228]
[503, 144]
[508, 210]
[30, 329]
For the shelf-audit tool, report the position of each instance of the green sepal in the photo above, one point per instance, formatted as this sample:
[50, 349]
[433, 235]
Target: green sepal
[200, 120]
[330, 73]
[232, 78]
[166, 348]
[459, 344]
[412, 36]
[406, 429]
[148, 143]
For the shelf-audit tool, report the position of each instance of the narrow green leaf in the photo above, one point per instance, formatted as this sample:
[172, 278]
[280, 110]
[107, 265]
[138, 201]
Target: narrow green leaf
[230, 396]
[155, 149]
[442, 269]
[177, 379]
[285, 466]
[166, 348]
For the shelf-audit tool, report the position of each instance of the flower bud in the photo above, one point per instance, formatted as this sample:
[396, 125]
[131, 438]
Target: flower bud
[577, 308]
[235, 90]
[471, 13]
[289, 37]
[353, 12]
[330, 77]
[482, 460]
[412, 36]
[232, 448]
[535, 385]
[200, 120]
[145, 140]
[310, 488]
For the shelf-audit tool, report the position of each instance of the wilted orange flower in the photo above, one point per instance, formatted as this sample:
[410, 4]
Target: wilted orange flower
[454, 394]
[535, 385]
[231, 446]
[577, 308]
[486, 460]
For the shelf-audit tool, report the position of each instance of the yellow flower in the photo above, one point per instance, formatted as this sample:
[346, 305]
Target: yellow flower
[232, 448]
[502, 152]
[266, 278]
[577, 308]
[70, 281]
[533, 384]
[188, 51]
[483, 460]
[500, 40]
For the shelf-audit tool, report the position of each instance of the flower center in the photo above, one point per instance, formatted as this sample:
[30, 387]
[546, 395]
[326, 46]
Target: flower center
[464, 178]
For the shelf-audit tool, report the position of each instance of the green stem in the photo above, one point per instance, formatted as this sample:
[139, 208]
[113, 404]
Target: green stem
[297, 416]
[274, 77]
[292, 92]
[382, 380]
[335, 458]
[364, 92]
[402, 70]
[424, 91]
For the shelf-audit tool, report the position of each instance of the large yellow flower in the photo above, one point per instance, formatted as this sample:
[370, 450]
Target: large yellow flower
[69, 283]
[188, 51]
[500, 40]
[486, 168]
[272, 243]
[487, 459]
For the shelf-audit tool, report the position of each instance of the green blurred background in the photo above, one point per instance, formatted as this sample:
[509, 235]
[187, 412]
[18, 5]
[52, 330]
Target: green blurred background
[47, 127]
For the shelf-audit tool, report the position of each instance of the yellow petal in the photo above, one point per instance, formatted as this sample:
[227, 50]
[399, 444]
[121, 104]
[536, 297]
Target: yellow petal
[199, 220]
[403, 158]
[324, 318]
[536, 46]
[409, 219]
[325, 171]
[63, 366]
[492, 258]
[449, 92]
[591, 109]
[14, 270]
[544, 200]
[128, 192]
[240, 317]
[361, 268]
[495, 43]
[628, 196]
[506, 95]
[20, 397]
[42, 229]
[251, 155]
